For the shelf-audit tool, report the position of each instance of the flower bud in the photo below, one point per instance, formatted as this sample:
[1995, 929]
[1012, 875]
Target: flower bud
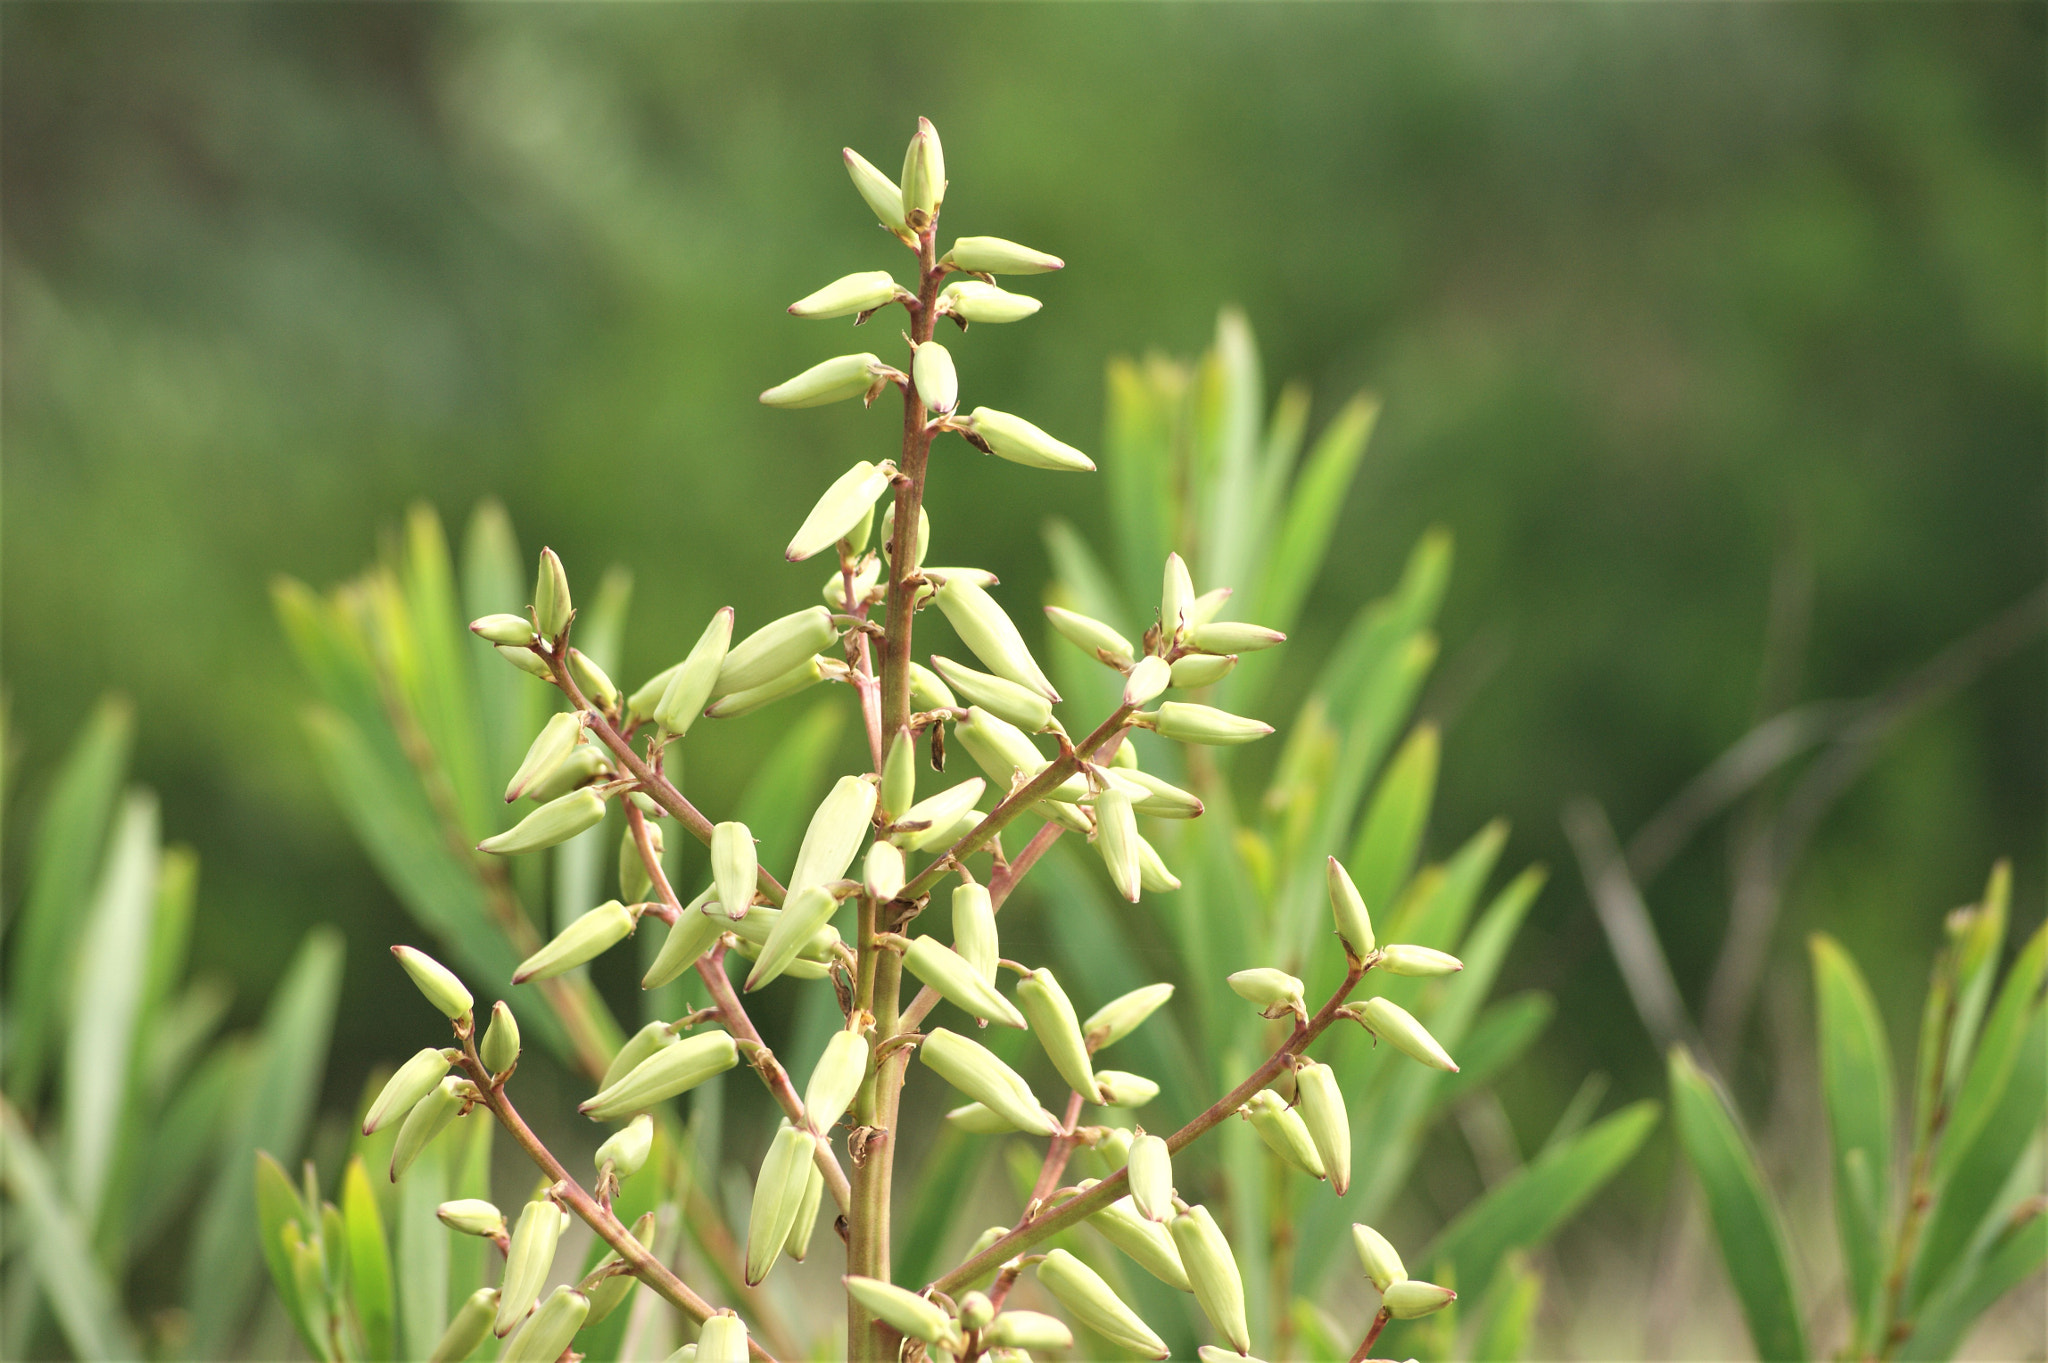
[1154, 797]
[500, 1051]
[883, 873]
[1017, 440]
[978, 1119]
[938, 384]
[626, 1149]
[1212, 1269]
[471, 1324]
[734, 867]
[1112, 1146]
[642, 1044]
[511, 631]
[927, 692]
[589, 937]
[958, 982]
[799, 678]
[973, 301]
[1116, 838]
[804, 967]
[1065, 815]
[1197, 670]
[835, 833]
[760, 922]
[938, 813]
[551, 605]
[924, 540]
[1402, 959]
[1281, 1128]
[1408, 1299]
[990, 635]
[799, 1242]
[690, 689]
[692, 934]
[1146, 1243]
[1272, 990]
[913, 1315]
[844, 507]
[867, 593]
[974, 1070]
[1018, 705]
[472, 1216]
[833, 380]
[546, 1335]
[778, 1196]
[898, 790]
[1187, 722]
[1089, 635]
[436, 981]
[863, 292]
[1122, 1015]
[608, 1293]
[723, 1339]
[1176, 597]
[997, 746]
[1154, 876]
[773, 650]
[993, 255]
[527, 661]
[1025, 1330]
[411, 1082]
[596, 687]
[669, 1071]
[884, 197]
[635, 884]
[1230, 636]
[1396, 1026]
[1210, 1353]
[803, 913]
[1354, 924]
[1382, 1262]
[582, 764]
[1151, 1169]
[974, 930]
[1082, 1291]
[976, 1311]
[1321, 1106]
[1122, 1089]
[557, 821]
[1146, 680]
[1052, 1019]
[428, 1118]
[835, 1080]
[924, 177]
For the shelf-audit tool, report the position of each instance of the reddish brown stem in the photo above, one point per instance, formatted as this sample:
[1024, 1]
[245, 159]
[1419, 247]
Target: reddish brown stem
[1372, 1336]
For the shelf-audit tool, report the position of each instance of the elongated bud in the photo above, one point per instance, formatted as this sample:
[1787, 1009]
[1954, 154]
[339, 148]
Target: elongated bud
[1321, 1105]
[734, 867]
[1230, 636]
[924, 177]
[1113, 1146]
[1152, 1178]
[899, 776]
[1018, 705]
[527, 1261]
[1151, 676]
[974, 930]
[690, 689]
[833, 380]
[428, 1118]
[774, 649]
[883, 196]
[639, 1046]
[1408, 1299]
[583, 762]
[938, 384]
[835, 833]
[997, 746]
[1197, 670]
[938, 813]
[1154, 797]
[1125, 758]
[978, 1119]
[1146, 1243]
[692, 934]
[548, 1333]
[1017, 440]
[669, 1071]
[958, 982]
[500, 1051]
[626, 1150]
[471, 1216]
[1154, 876]
[844, 297]
[846, 504]
[1396, 1026]
[883, 873]
[1065, 815]
[609, 1293]
[976, 1311]
[990, 635]
[471, 1324]
[597, 688]
[590, 936]
[1187, 722]
[761, 922]
[973, 301]
[1120, 1088]
[1091, 636]
[974, 1070]
[411, 1082]
[1025, 1330]
[1082, 1291]
[927, 692]
[635, 884]
[1382, 1262]
[1401, 959]
[835, 1079]
[1176, 597]
[1354, 924]
[1122, 1015]
[1270, 989]
[924, 540]
[551, 605]
[993, 255]
[557, 821]
[799, 1242]
[722, 1340]
[512, 631]
[1212, 1268]
[1052, 1019]
[1281, 1128]
[803, 913]
[778, 1196]
[799, 678]
[527, 661]
[1211, 1353]
[904, 1309]
[436, 981]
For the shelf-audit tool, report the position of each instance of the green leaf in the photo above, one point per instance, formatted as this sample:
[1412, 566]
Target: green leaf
[280, 1216]
[1229, 396]
[1500, 1037]
[61, 871]
[1279, 453]
[1856, 1085]
[1507, 1317]
[936, 1206]
[508, 704]
[1997, 1051]
[1143, 428]
[184, 1137]
[2013, 1256]
[784, 791]
[1391, 834]
[423, 1243]
[87, 1307]
[1298, 550]
[369, 1261]
[439, 686]
[1746, 1221]
[1528, 1207]
[1978, 949]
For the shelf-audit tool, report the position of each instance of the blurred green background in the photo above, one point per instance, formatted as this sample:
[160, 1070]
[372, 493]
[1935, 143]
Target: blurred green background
[1664, 303]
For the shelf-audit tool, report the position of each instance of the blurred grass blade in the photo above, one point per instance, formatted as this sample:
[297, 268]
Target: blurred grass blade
[369, 1262]
[1977, 956]
[281, 1213]
[507, 704]
[1395, 819]
[61, 871]
[1585, 1101]
[86, 1304]
[182, 1138]
[937, 1207]
[2012, 1257]
[1229, 397]
[469, 1176]
[284, 1082]
[1625, 919]
[423, 1244]
[1507, 1313]
[1501, 1035]
[1298, 549]
[1540, 1197]
[1997, 1051]
[1146, 402]
[1856, 1085]
[1279, 453]
[441, 689]
[1746, 1221]
[778, 801]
